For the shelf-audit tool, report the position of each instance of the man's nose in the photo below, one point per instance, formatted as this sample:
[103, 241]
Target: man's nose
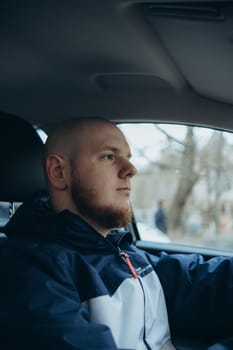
[127, 169]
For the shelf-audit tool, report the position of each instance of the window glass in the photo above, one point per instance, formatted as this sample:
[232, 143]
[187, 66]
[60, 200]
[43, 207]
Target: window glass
[42, 134]
[183, 192]
[6, 211]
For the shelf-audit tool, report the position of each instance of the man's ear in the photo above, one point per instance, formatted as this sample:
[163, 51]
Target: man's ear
[55, 169]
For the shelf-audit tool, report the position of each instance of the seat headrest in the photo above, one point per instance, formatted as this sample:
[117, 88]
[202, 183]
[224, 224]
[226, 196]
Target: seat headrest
[21, 171]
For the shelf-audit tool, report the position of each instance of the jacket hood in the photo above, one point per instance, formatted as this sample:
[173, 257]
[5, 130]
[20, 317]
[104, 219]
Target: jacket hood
[35, 220]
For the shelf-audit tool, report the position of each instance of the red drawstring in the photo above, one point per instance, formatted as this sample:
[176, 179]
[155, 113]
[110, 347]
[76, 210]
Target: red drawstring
[126, 258]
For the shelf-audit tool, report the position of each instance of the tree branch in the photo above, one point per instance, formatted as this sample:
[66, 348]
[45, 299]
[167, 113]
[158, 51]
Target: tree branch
[169, 137]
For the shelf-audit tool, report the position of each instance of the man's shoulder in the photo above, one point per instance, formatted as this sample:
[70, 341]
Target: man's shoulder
[32, 249]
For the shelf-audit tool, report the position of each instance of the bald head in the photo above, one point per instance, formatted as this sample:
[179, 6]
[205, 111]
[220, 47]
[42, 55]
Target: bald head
[68, 135]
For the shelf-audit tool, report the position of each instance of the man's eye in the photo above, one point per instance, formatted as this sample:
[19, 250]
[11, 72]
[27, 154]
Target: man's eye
[109, 156]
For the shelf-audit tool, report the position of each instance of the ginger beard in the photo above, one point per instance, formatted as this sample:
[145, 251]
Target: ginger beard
[86, 202]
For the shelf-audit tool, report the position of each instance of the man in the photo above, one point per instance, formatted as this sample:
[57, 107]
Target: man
[70, 276]
[161, 217]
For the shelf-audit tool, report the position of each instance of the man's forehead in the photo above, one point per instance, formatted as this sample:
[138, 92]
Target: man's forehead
[98, 136]
[104, 132]
[111, 138]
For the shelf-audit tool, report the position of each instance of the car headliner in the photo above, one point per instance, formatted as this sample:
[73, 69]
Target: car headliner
[118, 59]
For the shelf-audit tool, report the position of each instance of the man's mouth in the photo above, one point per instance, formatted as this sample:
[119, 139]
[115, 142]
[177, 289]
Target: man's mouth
[124, 189]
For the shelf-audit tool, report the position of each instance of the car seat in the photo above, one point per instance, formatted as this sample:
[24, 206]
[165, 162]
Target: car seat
[21, 159]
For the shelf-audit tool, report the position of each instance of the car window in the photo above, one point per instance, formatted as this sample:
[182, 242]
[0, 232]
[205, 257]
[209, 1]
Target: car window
[183, 192]
[6, 211]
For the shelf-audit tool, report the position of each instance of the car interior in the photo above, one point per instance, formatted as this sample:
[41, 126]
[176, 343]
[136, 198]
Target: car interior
[128, 61]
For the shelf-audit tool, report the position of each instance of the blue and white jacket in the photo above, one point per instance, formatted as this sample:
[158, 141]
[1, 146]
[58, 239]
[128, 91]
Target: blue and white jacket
[64, 286]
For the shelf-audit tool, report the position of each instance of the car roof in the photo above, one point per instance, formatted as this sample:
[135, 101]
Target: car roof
[120, 59]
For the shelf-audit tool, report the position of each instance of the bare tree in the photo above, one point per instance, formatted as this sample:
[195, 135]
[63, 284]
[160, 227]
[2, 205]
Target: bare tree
[197, 164]
[187, 180]
[214, 177]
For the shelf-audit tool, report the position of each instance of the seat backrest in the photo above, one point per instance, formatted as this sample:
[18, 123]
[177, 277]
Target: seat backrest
[21, 171]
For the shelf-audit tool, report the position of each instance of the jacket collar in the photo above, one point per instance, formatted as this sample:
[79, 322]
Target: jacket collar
[85, 236]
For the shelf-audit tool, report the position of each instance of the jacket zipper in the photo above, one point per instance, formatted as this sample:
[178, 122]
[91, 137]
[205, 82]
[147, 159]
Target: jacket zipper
[126, 259]
[144, 331]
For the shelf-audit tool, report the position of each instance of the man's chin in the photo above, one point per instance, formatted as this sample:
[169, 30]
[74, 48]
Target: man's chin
[118, 218]
[107, 217]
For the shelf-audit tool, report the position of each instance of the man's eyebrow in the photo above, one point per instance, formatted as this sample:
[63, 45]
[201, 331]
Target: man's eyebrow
[114, 149]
